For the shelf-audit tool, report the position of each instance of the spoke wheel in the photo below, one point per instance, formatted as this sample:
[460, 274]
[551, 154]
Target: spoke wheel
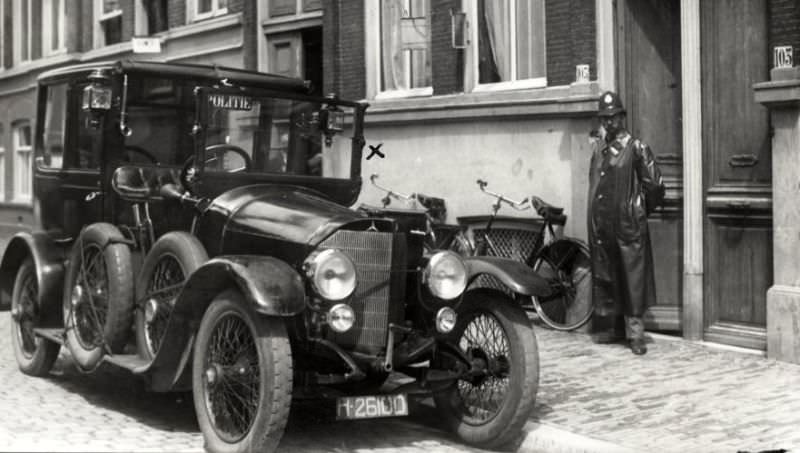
[171, 261]
[242, 377]
[488, 405]
[566, 265]
[35, 356]
[98, 295]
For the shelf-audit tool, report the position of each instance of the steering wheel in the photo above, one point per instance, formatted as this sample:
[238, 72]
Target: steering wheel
[143, 152]
[222, 148]
[188, 171]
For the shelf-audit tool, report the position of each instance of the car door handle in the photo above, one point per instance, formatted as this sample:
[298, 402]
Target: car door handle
[92, 195]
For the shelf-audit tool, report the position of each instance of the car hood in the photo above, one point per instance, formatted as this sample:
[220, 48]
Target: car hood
[284, 213]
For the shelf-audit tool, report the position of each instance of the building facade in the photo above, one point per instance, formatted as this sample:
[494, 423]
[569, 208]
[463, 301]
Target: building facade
[501, 91]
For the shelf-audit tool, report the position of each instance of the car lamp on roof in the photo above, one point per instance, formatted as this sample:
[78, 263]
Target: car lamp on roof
[97, 95]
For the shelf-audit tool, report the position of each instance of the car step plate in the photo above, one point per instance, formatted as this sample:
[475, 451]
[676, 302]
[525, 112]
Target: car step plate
[371, 406]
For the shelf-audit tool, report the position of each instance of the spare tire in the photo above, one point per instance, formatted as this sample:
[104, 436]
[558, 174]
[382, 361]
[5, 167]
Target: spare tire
[98, 295]
[173, 258]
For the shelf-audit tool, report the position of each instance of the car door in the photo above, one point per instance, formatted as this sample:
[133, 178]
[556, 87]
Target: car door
[68, 174]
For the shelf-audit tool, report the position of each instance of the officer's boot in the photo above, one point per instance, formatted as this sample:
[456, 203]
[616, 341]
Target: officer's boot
[635, 332]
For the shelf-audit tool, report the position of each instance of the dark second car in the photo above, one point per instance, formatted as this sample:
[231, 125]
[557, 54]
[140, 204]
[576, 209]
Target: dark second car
[195, 229]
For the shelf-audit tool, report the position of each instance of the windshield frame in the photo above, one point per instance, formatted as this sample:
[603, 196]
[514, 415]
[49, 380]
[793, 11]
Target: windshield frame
[201, 125]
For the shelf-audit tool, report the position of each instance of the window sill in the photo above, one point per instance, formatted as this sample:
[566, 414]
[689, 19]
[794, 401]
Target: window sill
[405, 94]
[21, 203]
[38, 64]
[202, 26]
[576, 100]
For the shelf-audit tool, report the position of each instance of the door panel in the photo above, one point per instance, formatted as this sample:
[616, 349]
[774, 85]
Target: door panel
[737, 172]
[650, 86]
[285, 56]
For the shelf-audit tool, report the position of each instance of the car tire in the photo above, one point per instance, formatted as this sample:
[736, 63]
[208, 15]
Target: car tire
[219, 368]
[35, 355]
[488, 315]
[173, 258]
[106, 282]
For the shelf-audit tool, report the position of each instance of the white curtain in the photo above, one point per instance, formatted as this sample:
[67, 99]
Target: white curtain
[392, 57]
[497, 23]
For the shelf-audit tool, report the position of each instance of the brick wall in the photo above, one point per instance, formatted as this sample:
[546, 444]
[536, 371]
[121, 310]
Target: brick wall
[36, 24]
[87, 16]
[176, 12]
[571, 39]
[447, 63]
[128, 19]
[250, 32]
[343, 48]
[784, 27]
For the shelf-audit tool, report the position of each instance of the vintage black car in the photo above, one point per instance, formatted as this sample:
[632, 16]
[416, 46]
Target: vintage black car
[194, 227]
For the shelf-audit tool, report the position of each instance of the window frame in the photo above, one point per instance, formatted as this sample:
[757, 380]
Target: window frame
[472, 58]
[2, 162]
[48, 28]
[374, 70]
[99, 40]
[194, 14]
[17, 32]
[22, 195]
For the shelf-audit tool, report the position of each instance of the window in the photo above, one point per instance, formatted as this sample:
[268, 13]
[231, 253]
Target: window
[23, 31]
[23, 170]
[53, 27]
[54, 126]
[108, 28]
[510, 50]
[203, 9]
[398, 54]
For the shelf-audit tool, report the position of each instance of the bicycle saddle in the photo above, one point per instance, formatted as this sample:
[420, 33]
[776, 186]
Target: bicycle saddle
[553, 214]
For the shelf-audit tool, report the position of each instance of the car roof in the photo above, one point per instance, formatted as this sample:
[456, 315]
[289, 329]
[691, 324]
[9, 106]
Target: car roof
[213, 73]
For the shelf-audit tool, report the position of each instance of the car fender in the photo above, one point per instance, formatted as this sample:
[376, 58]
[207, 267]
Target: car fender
[273, 288]
[48, 259]
[515, 275]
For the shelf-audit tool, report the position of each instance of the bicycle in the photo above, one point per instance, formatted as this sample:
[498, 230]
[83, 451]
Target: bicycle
[439, 235]
[565, 262]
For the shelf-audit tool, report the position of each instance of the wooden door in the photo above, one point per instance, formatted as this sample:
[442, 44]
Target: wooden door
[737, 172]
[285, 54]
[649, 72]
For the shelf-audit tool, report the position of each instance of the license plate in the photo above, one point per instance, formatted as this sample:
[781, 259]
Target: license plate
[357, 407]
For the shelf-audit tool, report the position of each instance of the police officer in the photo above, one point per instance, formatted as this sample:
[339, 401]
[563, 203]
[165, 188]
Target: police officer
[624, 186]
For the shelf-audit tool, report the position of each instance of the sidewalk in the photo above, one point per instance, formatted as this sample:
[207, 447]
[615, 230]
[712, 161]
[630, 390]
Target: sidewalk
[680, 397]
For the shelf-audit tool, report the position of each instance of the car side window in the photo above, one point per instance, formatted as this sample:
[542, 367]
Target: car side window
[87, 155]
[55, 119]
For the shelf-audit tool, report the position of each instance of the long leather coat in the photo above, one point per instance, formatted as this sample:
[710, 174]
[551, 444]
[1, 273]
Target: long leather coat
[623, 180]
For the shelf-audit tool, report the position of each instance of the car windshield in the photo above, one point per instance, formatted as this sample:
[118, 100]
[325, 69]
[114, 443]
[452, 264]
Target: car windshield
[277, 135]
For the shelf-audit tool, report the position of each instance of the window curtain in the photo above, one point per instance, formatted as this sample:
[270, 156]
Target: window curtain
[392, 55]
[497, 26]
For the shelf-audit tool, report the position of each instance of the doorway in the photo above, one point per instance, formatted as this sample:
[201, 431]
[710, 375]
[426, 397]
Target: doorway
[297, 53]
[649, 72]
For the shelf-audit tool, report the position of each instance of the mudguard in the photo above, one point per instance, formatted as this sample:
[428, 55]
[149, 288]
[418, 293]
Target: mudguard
[49, 259]
[273, 287]
[517, 276]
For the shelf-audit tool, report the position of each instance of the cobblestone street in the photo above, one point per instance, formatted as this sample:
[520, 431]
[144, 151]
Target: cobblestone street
[111, 411]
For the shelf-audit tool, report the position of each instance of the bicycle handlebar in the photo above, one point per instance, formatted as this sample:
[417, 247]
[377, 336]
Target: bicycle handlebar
[389, 192]
[518, 205]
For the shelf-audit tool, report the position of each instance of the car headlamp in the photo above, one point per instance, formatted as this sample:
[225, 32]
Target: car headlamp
[332, 274]
[445, 319]
[445, 275]
[341, 318]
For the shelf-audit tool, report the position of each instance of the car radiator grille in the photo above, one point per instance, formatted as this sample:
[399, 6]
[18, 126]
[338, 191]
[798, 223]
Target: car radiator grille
[379, 259]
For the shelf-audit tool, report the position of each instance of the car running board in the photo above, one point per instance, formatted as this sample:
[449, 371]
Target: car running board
[131, 362]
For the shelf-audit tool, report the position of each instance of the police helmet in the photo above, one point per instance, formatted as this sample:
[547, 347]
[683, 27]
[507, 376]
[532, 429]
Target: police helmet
[609, 104]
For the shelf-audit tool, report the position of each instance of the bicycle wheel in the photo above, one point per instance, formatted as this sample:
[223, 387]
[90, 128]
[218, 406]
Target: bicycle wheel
[566, 265]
